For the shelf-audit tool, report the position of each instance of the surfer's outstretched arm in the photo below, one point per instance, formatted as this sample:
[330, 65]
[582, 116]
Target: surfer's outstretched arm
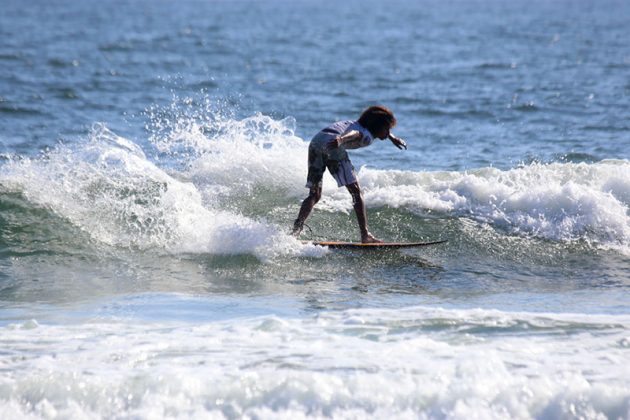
[359, 209]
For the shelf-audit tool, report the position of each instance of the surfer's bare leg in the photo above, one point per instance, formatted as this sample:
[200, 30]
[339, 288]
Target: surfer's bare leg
[309, 202]
[359, 209]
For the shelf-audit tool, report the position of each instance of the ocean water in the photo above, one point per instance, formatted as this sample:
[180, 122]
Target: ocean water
[153, 159]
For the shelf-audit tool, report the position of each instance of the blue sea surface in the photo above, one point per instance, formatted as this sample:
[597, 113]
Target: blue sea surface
[153, 159]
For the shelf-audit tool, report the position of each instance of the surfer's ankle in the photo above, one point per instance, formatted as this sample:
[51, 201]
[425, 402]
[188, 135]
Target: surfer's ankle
[368, 238]
[297, 228]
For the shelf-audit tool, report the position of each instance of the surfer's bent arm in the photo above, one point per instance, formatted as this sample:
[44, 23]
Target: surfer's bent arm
[398, 142]
[345, 139]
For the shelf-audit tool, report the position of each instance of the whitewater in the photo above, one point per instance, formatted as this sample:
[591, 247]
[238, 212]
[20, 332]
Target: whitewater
[108, 187]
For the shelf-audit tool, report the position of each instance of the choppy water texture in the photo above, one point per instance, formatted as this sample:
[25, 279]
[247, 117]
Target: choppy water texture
[154, 157]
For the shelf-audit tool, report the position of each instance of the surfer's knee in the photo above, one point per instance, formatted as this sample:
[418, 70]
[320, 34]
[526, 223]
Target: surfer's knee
[315, 195]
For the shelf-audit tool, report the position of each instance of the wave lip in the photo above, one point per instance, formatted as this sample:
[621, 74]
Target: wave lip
[217, 181]
[557, 201]
[562, 201]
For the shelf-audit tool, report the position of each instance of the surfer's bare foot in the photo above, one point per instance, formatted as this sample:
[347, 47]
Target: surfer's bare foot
[370, 239]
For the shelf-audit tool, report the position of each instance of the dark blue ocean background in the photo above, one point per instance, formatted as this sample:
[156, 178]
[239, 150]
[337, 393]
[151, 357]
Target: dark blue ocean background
[153, 158]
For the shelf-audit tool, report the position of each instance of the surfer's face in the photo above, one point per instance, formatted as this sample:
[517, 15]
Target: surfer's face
[383, 133]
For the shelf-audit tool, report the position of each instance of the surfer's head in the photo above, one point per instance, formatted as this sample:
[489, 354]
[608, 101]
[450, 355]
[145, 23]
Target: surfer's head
[378, 120]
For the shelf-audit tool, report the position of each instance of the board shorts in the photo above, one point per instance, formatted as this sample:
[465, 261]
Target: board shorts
[336, 161]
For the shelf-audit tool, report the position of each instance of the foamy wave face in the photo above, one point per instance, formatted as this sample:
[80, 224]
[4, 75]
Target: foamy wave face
[108, 188]
[228, 158]
[221, 169]
[410, 363]
[560, 201]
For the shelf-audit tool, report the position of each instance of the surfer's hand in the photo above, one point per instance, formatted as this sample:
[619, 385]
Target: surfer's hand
[398, 142]
[333, 144]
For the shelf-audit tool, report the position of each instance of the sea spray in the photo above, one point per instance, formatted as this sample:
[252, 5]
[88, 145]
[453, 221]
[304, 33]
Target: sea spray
[108, 188]
[224, 156]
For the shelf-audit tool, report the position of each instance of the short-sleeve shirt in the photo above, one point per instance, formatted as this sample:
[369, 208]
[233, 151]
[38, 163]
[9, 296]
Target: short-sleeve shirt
[339, 128]
[336, 160]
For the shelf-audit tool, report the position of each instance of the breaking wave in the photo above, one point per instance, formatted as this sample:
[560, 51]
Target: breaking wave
[223, 185]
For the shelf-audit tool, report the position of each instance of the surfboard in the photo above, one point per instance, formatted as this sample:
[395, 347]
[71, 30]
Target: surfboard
[385, 245]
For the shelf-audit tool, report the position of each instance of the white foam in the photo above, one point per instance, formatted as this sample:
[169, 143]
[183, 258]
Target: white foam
[232, 157]
[107, 187]
[559, 201]
[411, 363]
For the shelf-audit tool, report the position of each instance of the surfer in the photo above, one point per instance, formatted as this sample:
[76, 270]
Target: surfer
[328, 150]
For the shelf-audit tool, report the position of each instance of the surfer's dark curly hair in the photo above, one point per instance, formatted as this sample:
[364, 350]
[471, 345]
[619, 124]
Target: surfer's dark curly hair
[377, 117]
